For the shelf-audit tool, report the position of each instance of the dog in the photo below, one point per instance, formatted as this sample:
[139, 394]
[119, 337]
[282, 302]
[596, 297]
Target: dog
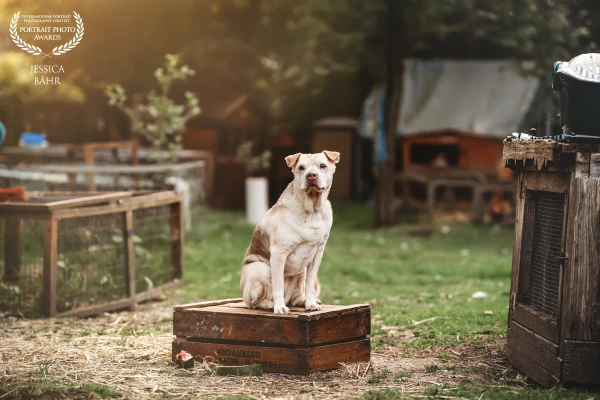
[281, 264]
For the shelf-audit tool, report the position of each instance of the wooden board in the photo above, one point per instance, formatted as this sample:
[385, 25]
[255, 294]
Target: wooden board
[533, 355]
[595, 166]
[582, 362]
[581, 302]
[283, 360]
[234, 321]
[341, 141]
[43, 202]
[536, 155]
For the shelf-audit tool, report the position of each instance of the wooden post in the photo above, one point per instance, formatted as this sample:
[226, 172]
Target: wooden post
[431, 189]
[176, 222]
[50, 249]
[386, 172]
[71, 177]
[135, 161]
[129, 257]
[582, 164]
[12, 249]
[88, 159]
[478, 213]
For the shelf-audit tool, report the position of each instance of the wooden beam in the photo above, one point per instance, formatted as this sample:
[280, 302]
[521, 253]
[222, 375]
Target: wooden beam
[386, 171]
[129, 257]
[82, 199]
[88, 159]
[176, 223]
[134, 203]
[50, 250]
[595, 166]
[12, 249]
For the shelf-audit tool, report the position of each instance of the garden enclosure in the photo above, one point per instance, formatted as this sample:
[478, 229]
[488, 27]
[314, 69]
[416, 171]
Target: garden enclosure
[77, 254]
[110, 166]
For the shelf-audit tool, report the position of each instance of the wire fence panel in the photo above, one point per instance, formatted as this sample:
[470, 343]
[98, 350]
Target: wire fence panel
[90, 261]
[22, 247]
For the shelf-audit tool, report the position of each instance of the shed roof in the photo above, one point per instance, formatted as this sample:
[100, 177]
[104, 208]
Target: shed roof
[487, 98]
[336, 122]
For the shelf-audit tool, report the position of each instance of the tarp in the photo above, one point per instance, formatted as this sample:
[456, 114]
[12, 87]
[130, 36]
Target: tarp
[488, 98]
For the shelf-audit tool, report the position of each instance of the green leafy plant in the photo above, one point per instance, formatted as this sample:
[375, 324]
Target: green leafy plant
[160, 119]
[254, 164]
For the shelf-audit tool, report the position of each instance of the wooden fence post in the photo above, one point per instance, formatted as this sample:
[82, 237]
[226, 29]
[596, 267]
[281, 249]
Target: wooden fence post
[12, 249]
[129, 257]
[176, 223]
[50, 249]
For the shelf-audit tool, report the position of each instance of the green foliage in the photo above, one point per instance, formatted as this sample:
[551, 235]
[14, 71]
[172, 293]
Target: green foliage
[538, 32]
[299, 56]
[254, 164]
[160, 120]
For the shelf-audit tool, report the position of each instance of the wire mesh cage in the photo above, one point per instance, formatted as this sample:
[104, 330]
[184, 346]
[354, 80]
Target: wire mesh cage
[78, 254]
[554, 313]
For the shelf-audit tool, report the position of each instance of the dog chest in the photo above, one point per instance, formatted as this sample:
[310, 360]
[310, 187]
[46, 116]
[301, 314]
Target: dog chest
[300, 257]
[229, 333]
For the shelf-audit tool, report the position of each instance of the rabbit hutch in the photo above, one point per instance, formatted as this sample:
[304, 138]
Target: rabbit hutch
[554, 313]
[79, 254]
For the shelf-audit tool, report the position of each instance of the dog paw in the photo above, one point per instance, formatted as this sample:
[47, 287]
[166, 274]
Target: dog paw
[281, 310]
[312, 306]
[298, 302]
[319, 301]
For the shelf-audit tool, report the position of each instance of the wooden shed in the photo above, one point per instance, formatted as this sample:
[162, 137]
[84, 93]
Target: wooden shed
[457, 149]
[220, 129]
[224, 125]
[554, 313]
[338, 134]
[452, 118]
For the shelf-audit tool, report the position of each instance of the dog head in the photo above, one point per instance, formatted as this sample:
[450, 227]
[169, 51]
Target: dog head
[313, 172]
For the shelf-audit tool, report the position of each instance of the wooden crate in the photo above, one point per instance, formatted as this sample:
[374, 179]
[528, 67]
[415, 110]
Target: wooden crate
[79, 254]
[554, 313]
[297, 343]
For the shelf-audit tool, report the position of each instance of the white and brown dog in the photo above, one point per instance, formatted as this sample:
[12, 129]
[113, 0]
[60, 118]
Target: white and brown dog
[281, 265]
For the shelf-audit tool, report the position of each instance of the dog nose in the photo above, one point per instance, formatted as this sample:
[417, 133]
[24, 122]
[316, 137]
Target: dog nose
[311, 176]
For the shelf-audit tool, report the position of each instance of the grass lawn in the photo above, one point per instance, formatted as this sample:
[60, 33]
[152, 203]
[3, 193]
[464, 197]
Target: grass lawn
[405, 278]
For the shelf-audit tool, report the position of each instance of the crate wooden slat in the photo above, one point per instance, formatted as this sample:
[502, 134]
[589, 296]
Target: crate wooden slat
[297, 343]
[46, 202]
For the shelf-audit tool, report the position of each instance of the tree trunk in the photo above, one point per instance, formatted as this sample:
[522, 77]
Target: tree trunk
[386, 171]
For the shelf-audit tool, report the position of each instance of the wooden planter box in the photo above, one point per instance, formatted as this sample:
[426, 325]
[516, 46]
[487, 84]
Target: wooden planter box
[554, 313]
[298, 343]
[79, 254]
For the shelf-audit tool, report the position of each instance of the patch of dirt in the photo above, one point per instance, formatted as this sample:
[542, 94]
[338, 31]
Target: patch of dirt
[130, 352]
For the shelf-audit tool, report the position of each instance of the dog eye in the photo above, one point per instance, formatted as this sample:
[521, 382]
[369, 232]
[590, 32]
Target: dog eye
[301, 168]
[323, 166]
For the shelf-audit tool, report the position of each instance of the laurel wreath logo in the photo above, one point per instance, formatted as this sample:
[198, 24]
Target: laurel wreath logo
[58, 50]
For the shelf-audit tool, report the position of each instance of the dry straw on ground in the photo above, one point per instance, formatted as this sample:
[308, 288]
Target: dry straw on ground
[131, 354]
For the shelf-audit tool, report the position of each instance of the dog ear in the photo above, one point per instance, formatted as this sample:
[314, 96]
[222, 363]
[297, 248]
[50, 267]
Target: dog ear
[333, 156]
[292, 160]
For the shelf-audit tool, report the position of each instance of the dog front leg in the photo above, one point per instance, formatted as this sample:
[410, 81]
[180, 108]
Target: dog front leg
[312, 303]
[278, 259]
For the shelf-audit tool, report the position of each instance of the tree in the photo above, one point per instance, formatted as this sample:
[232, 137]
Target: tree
[161, 120]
